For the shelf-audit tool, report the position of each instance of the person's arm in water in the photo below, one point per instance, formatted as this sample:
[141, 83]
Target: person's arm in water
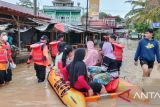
[137, 53]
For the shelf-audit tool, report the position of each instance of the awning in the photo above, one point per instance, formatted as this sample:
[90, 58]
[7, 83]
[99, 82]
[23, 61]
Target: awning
[4, 26]
[76, 30]
[59, 27]
[42, 28]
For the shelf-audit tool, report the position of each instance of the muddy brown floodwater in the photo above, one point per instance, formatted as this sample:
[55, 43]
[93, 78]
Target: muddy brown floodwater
[24, 91]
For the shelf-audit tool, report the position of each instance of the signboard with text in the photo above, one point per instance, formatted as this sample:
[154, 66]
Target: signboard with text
[94, 8]
[156, 24]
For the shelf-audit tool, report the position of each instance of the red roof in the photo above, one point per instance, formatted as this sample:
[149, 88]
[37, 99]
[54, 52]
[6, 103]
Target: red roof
[9, 8]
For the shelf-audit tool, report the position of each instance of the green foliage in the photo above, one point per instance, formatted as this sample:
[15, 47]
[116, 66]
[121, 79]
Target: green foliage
[141, 28]
[118, 19]
[157, 34]
[26, 3]
[103, 15]
[143, 11]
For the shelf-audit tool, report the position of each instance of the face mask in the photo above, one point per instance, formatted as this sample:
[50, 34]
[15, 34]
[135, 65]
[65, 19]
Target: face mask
[5, 38]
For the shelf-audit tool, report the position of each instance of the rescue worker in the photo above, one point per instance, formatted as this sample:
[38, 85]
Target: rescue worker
[54, 47]
[39, 54]
[6, 46]
[3, 64]
[118, 52]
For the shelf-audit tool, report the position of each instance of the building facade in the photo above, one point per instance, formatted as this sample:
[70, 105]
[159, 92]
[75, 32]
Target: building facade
[64, 11]
[106, 23]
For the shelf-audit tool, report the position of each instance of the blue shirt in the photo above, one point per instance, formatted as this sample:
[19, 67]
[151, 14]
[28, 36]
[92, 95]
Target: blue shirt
[147, 50]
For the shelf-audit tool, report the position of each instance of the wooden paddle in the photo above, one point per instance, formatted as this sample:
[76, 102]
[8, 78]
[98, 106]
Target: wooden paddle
[109, 95]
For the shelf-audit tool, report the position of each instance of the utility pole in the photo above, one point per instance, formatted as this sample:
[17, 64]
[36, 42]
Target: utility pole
[35, 7]
[86, 35]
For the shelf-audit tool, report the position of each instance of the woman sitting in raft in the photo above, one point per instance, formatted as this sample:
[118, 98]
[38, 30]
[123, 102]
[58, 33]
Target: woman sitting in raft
[91, 58]
[78, 75]
[66, 60]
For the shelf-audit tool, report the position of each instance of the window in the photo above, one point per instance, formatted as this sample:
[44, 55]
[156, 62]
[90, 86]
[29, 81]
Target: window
[64, 4]
[63, 19]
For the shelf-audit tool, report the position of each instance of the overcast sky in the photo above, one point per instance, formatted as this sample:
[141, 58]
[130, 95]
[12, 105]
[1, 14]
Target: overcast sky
[114, 7]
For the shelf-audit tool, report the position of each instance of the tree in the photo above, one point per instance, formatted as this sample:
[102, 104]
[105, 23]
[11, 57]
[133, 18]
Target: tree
[26, 3]
[144, 11]
[103, 15]
[118, 19]
[141, 28]
[137, 14]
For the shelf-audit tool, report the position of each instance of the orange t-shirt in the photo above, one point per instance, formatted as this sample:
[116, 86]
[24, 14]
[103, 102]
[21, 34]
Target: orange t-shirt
[3, 66]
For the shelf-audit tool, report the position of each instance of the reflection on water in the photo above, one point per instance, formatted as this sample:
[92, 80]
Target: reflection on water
[24, 91]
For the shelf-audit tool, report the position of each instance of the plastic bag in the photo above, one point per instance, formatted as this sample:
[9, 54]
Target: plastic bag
[12, 65]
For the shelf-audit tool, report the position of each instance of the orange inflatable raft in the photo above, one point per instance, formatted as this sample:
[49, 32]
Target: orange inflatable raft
[73, 98]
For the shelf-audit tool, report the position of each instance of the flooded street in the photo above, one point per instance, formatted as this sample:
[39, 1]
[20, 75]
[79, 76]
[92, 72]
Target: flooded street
[24, 91]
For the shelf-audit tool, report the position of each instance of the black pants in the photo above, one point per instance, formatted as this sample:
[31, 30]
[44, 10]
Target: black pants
[149, 63]
[110, 63]
[53, 59]
[119, 64]
[96, 87]
[40, 72]
[2, 76]
[9, 75]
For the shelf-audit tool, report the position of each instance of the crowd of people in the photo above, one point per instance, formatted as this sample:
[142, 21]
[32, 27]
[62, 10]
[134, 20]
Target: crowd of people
[75, 65]
[89, 70]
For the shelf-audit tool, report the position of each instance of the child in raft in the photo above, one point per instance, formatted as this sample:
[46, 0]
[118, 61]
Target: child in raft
[66, 60]
[78, 75]
[58, 58]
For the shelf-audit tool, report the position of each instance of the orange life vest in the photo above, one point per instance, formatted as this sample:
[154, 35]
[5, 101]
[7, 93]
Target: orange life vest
[112, 86]
[118, 51]
[54, 47]
[3, 56]
[37, 52]
[7, 47]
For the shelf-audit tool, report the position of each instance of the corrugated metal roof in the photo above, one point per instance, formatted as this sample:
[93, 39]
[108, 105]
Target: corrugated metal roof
[21, 9]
